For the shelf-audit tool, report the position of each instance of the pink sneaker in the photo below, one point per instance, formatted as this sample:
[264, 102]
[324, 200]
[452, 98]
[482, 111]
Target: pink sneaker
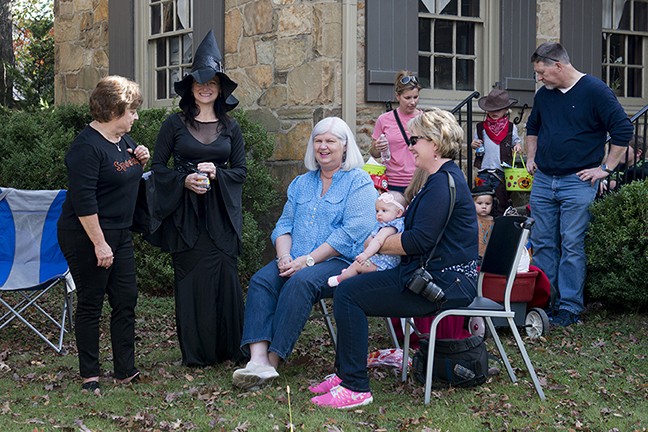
[325, 386]
[342, 398]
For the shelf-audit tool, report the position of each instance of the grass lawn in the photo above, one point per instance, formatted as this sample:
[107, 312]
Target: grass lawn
[594, 376]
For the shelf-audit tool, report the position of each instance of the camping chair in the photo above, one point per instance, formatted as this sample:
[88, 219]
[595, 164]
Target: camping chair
[501, 258]
[31, 262]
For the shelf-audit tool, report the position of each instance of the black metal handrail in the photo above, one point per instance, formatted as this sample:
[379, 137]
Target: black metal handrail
[469, 125]
[640, 123]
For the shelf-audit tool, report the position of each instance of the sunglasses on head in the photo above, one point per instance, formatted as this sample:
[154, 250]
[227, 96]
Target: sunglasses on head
[409, 79]
[413, 140]
[548, 58]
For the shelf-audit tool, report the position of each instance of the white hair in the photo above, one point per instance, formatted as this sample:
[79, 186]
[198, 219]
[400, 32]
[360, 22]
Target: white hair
[352, 157]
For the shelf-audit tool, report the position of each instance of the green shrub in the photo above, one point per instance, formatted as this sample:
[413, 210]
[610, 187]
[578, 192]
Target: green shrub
[32, 152]
[617, 247]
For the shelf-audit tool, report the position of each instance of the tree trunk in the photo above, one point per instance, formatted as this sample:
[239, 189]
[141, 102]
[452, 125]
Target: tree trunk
[6, 53]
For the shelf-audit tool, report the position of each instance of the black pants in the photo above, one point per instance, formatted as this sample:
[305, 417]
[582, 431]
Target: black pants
[92, 284]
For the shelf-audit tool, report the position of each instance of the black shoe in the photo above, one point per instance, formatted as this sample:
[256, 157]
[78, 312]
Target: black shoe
[91, 386]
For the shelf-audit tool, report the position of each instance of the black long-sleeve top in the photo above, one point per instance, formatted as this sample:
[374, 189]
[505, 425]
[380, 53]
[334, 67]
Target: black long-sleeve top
[181, 209]
[103, 179]
[426, 217]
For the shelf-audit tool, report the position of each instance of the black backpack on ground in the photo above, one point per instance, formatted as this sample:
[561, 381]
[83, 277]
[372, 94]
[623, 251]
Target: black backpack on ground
[457, 362]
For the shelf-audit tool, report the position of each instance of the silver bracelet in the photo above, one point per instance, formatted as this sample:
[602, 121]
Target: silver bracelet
[282, 257]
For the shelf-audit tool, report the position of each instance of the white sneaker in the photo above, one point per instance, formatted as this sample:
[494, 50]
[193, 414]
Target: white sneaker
[253, 376]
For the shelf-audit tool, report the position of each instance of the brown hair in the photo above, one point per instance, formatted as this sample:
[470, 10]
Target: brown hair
[112, 97]
[416, 184]
[399, 87]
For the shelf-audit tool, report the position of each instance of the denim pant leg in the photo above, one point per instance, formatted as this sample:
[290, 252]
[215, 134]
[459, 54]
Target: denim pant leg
[369, 294]
[296, 300]
[261, 303]
[122, 297]
[545, 233]
[575, 197]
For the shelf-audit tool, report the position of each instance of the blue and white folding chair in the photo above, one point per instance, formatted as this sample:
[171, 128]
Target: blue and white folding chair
[32, 264]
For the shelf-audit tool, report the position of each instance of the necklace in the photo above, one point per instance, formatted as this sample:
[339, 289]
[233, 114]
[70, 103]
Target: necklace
[105, 134]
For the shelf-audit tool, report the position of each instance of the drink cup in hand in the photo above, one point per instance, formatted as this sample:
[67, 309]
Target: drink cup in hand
[205, 183]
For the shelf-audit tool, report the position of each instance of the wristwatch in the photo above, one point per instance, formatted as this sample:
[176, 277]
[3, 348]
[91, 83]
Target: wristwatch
[605, 168]
[310, 261]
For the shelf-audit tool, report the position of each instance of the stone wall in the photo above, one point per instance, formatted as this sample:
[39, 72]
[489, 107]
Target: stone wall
[81, 48]
[286, 56]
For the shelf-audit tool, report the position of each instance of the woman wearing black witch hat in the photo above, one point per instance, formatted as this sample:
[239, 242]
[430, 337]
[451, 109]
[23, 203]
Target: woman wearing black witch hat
[199, 202]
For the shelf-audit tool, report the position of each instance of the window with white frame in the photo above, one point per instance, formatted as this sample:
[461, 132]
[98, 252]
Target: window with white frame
[169, 41]
[449, 36]
[625, 47]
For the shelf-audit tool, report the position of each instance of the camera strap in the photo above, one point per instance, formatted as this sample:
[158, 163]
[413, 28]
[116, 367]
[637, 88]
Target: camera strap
[453, 197]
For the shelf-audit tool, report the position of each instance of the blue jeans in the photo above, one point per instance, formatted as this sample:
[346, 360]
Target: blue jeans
[277, 308]
[383, 294]
[560, 207]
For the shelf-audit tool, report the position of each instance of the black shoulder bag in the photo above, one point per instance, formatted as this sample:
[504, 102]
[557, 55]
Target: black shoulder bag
[421, 281]
[402, 129]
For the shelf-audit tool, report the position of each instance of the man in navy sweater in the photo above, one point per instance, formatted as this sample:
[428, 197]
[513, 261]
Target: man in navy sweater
[565, 143]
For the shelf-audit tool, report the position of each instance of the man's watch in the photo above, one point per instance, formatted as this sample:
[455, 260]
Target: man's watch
[606, 169]
[310, 261]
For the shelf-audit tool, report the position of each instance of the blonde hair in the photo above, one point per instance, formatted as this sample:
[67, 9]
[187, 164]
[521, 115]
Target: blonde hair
[440, 127]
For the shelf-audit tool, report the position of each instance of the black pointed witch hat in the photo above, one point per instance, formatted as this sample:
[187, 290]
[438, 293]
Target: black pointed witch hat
[208, 63]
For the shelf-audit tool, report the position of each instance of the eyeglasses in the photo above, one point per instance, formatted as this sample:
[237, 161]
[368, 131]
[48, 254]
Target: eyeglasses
[547, 58]
[409, 79]
[413, 140]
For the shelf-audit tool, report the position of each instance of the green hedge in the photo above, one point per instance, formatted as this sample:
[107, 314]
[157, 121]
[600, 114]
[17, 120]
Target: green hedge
[32, 151]
[617, 248]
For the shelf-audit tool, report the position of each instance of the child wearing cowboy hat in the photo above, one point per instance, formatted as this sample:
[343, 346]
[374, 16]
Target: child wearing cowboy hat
[499, 138]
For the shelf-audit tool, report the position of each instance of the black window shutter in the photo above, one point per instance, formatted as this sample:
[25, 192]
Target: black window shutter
[391, 31]
[581, 27]
[121, 38]
[518, 36]
[209, 15]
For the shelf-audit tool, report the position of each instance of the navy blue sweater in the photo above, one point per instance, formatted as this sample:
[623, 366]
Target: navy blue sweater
[426, 216]
[572, 127]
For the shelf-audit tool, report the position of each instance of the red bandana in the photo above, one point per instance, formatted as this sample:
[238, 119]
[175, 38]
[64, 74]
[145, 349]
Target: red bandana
[496, 129]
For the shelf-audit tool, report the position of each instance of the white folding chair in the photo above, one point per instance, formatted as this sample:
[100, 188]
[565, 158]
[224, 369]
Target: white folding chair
[32, 264]
[501, 258]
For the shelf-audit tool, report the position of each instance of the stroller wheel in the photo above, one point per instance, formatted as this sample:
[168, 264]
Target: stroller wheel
[536, 323]
[477, 327]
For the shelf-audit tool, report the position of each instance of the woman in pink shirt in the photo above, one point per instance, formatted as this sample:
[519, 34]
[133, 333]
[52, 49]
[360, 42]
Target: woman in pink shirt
[388, 135]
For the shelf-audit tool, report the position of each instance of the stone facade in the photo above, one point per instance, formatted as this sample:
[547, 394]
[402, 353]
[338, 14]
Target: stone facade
[81, 48]
[286, 56]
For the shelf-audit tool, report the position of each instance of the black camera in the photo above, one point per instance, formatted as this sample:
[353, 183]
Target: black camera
[422, 283]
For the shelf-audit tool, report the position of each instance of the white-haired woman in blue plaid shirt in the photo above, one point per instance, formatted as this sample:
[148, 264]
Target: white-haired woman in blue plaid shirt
[328, 215]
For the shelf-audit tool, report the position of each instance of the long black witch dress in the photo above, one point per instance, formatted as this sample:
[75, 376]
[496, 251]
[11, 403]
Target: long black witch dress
[203, 235]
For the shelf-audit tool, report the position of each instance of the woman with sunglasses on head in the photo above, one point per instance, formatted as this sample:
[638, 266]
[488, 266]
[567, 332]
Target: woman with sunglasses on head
[443, 243]
[389, 136]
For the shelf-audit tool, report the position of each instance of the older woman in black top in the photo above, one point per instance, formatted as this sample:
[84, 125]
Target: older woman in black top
[435, 141]
[200, 202]
[104, 168]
